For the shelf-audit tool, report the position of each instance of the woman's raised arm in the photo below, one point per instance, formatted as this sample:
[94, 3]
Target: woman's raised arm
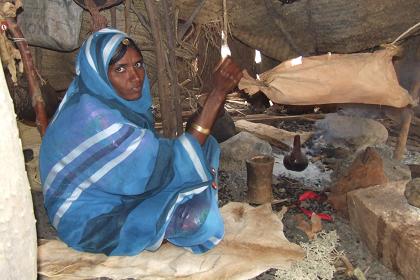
[226, 76]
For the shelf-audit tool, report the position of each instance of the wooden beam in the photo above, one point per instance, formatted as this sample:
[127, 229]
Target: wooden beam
[171, 115]
[30, 71]
[258, 118]
[406, 116]
[268, 118]
[280, 138]
[184, 28]
[171, 69]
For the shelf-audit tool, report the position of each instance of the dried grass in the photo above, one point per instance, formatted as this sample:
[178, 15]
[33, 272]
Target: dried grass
[187, 52]
[10, 56]
[320, 256]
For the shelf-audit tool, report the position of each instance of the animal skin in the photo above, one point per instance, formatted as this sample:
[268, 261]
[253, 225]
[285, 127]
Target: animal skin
[254, 242]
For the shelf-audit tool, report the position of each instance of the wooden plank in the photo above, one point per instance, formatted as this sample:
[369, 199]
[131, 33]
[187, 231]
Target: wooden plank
[269, 118]
[263, 118]
[280, 138]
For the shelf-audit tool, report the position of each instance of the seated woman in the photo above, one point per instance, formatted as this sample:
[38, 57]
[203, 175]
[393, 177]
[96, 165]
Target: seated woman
[110, 184]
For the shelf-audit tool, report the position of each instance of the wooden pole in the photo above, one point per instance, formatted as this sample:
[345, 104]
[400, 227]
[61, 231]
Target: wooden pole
[127, 7]
[406, 117]
[34, 88]
[168, 10]
[113, 12]
[168, 109]
[184, 28]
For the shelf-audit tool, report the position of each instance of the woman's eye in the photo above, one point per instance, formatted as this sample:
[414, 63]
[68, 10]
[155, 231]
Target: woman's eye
[119, 69]
[139, 64]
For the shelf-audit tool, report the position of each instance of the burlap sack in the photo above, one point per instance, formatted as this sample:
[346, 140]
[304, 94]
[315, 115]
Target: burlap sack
[52, 24]
[367, 78]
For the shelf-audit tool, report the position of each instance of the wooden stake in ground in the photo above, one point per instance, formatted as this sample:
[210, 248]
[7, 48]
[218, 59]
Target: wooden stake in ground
[34, 88]
[406, 117]
[168, 95]
[171, 69]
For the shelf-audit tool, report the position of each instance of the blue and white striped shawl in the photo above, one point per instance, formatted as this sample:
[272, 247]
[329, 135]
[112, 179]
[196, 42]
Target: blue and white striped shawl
[110, 184]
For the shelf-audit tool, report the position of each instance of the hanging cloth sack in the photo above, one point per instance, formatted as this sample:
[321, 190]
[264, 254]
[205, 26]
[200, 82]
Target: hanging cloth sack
[52, 24]
[367, 78]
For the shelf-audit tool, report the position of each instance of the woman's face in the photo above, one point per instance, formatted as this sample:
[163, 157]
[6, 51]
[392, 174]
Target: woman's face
[127, 75]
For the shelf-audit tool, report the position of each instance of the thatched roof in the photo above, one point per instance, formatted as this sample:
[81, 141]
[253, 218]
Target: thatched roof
[312, 26]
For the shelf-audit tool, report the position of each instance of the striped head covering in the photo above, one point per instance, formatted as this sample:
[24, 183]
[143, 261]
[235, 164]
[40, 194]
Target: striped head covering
[92, 74]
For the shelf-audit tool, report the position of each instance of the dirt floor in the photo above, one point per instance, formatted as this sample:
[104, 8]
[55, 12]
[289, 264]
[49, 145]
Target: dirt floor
[286, 190]
[350, 242]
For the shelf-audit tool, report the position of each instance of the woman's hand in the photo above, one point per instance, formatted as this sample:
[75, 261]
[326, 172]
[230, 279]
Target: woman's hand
[226, 77]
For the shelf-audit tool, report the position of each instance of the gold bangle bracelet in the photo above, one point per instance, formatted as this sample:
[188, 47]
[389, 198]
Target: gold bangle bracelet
[200, 129]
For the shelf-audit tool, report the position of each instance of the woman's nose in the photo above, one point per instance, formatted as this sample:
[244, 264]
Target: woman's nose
[134, 74]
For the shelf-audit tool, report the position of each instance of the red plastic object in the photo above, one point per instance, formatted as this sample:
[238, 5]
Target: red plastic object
[309, 195]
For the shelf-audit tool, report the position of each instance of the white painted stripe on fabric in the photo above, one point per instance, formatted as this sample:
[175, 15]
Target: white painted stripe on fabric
[88, 55]
[63, 101]
[96, 177]
[194, 157]
[77, 151]
[215, 240]
[109, 30]
[199, 190]
[77, 68]
[108, 47]
[189, 249]
[89, 42]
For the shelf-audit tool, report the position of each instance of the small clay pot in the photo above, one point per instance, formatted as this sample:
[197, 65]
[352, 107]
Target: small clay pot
[259, 179]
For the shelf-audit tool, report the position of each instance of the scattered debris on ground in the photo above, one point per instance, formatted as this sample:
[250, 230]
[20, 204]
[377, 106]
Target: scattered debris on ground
[325, 164]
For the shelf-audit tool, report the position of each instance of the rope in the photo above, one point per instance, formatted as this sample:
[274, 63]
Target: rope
[225, 22]
[405, 33]
[18, 39]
